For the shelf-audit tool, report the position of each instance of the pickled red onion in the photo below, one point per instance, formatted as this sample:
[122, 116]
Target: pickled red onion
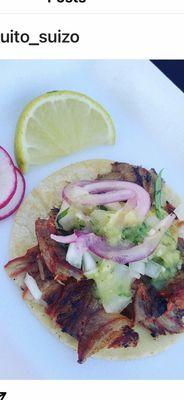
[65, 239]
[93, 193]
[99, 246]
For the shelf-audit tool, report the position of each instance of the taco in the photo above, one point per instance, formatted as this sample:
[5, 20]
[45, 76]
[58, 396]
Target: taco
[97, 252]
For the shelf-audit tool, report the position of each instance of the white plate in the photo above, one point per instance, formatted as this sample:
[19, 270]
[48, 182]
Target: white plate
[148, 113]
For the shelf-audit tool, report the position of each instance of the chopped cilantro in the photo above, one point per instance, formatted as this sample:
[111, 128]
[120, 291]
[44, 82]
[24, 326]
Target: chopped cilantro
[102, 208]
[79, 224]
[61, 215]
[158, 193]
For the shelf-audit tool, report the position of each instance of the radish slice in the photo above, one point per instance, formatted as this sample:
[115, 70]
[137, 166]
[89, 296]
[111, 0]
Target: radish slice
[8, 178]
[17, 198]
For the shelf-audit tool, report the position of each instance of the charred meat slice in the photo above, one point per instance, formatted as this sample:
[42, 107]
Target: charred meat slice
[174, 293]
[79, 313]
[51, 293]
[154, 304]
[128, 338]
[101, 331]
[18, 267]
[131, 173]
[161, 313]
[148, 307]
[77, 302]
[28, 264]
[44, 272]
[52, 252]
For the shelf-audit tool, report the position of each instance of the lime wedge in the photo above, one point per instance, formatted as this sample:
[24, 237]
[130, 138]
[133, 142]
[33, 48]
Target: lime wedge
[60, 123]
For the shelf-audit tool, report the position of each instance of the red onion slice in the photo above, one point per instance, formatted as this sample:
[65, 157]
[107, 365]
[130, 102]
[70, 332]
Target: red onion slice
[8, 178]
[93, 193]
[136, 253]
[120, 254]
[106, 198]
[65, 239]
[17, 198]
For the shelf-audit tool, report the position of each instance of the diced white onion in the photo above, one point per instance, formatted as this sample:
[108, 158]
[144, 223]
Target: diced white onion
[33, 287]
[81, 216]
[89, 264]
[117, 304]
[74, 255]
[179, 212]
[134, 274]
[138, 266]
[68, 221]
[153, 269]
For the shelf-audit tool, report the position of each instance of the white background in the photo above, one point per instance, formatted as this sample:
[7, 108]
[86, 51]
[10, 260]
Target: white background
[93, 6]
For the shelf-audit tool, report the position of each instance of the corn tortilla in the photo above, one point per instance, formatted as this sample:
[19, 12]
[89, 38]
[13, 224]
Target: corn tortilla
[38, 204]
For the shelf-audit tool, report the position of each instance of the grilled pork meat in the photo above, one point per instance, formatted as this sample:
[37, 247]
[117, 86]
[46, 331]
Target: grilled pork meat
[131, 173]
[174, 293]
[104, 330]
[52, 252]
[74, 307]
[161, 312]
[18, 267]
[79, 313]
[148, 306]
[30, 263]
[129, 338]
[77, 302]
